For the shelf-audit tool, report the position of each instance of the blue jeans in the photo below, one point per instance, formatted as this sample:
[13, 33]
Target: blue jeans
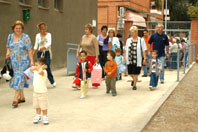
[154, 79]
[49, 73]
[148, 58]
[162, 59]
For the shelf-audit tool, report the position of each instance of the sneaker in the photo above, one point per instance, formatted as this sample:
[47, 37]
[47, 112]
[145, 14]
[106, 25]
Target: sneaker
[37, 118]
[134, 88]
[45, 120]
[162, 81]
[144, 75]
[78, 88]
[54, 84]
[114, 94]
[151, 88]
[74, 86]
[82, 96]
[108, 91]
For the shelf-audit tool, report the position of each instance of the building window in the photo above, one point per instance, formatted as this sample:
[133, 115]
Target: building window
[28, 2]
[58, 4]
[43, 3]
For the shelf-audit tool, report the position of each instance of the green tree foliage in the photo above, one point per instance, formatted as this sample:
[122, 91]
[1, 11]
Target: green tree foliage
[159, 4]
[193, 11]
[193, 2]
[178, 10]
[182, 10]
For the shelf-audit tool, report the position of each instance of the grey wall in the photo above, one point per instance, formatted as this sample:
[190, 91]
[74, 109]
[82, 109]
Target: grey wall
[67, 26]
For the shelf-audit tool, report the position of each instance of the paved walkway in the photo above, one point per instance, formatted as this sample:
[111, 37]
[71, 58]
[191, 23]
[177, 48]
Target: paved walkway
[99, 112]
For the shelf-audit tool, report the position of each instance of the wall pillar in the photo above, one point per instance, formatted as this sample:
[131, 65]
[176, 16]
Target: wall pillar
[194, 34]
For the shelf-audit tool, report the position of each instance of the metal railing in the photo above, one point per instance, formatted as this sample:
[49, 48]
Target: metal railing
[71, 57]
[189, 55]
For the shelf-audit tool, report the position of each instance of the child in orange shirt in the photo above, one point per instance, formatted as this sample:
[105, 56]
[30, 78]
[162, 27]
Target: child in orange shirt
[111, 73]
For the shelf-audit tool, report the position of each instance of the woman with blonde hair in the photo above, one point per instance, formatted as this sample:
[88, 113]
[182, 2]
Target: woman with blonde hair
[89, 43]
[114, 42]
[134, 54]
[43, 44]
[19, 50]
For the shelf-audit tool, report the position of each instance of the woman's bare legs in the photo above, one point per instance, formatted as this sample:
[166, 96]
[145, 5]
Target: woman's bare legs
[17, 95]
[22, 97]
[135, 78]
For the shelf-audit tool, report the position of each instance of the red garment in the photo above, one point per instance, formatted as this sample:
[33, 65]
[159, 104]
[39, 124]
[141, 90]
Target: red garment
[90, 67]
[77, 82]
[91, 59]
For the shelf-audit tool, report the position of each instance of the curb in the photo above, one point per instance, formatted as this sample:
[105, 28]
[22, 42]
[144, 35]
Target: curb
[156, 107]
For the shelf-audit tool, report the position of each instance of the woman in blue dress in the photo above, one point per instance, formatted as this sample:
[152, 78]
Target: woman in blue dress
[19, 50]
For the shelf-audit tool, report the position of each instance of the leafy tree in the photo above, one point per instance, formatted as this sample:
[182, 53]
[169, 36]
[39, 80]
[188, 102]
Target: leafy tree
[193, 11]
[193, 2]
[178, 10]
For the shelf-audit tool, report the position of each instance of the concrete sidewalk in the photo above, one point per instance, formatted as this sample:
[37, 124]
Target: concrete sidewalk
[129, 111]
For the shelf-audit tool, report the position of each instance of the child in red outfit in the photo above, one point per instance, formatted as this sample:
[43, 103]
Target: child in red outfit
[83, 73]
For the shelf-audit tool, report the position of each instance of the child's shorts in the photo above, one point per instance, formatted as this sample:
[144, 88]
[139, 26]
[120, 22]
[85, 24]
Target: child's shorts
[40, 100]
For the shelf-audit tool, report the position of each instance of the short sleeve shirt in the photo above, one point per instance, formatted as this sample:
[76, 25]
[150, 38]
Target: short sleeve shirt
[39, 82]
[159, 43]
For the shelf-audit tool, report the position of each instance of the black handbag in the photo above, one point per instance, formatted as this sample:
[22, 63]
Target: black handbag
[7, 70]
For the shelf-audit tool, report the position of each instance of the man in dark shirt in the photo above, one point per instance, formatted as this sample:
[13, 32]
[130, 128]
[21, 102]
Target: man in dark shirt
[160, 42]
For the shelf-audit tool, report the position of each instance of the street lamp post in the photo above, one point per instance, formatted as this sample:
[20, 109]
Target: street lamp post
[166, 18]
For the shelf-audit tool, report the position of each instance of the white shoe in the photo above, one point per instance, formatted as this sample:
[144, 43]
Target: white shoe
[154, 87]
[162, 81]
[37, 118]
[45, 120]
[82, 96]
[151, 88]
[74, 86]
[54, 84]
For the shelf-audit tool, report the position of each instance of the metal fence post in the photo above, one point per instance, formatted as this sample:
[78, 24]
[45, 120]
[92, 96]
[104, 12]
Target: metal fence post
[188, 56]
[194, 52]
[184, 58]
[190, 53]
[178, 64]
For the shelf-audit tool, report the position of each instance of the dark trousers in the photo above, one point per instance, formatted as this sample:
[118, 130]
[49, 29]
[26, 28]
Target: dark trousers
[102, 59]
[154, 79]
[49, 73]
[111, 84]
[173, 58]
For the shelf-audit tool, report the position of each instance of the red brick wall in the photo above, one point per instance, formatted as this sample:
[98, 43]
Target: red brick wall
[194, 33]
[107, 15]
[108, 12]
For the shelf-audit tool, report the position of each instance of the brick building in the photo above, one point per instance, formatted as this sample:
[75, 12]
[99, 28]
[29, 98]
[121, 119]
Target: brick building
[122, 14]
[65, 20]
[194, 35]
